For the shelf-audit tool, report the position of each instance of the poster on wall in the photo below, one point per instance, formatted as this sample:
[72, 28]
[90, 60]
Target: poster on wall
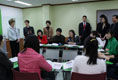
[108, 13]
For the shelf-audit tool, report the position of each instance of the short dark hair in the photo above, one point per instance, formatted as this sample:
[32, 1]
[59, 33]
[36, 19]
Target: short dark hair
[91, 46]
[111, 32]
[94, 33]
[49, 22]
[31, 42]
[58, 30]
[1, 38]
[27, 21]
[40, 31]
[85, 16]
[115, 16]
[11, 21]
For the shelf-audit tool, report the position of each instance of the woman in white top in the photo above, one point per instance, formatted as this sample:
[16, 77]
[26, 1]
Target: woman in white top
[90, 63]
[13, 37]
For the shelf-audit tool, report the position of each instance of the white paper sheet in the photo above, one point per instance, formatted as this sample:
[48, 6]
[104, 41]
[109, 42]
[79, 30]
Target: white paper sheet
[68, 64]
[15, 59]
[55, 65]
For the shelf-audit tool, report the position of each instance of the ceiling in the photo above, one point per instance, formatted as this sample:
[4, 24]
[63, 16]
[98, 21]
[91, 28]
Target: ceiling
[38, 2]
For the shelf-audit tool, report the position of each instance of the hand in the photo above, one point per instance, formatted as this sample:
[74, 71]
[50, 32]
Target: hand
[18, 40]
[80, 36]
[107, 50]
[107, 58]
[48, 37]
[40, 41]
[101, 55]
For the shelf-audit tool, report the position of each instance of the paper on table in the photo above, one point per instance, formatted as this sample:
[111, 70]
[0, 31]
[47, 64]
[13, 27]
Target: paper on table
[55, 65]
[15, 59]
[81, 47]
[68, 64]
[99, 50]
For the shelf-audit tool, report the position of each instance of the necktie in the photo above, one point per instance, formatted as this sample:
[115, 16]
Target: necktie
[84, 26]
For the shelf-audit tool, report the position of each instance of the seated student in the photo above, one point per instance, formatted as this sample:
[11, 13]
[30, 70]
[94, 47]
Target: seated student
[5, 64]
[89, 63]
[94, 35]
[42, 38]
[59, 38]
[73, 39]
[30, 60]
[112, 46]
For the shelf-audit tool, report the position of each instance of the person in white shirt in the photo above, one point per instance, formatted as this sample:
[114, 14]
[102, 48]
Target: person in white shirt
[89, 63]
[13, 37]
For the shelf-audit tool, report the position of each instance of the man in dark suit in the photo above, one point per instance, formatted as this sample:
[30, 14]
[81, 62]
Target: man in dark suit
[84, 29]
[28, 30]
[114, 26]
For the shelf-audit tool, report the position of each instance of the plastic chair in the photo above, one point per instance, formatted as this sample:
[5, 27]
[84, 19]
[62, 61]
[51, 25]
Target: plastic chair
[78, 76]
[24, 75]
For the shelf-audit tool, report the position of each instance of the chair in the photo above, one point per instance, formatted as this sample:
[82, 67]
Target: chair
[24, 75]
[78, 76]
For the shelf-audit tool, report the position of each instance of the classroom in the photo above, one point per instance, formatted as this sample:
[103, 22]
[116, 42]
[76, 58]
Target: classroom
[58, 39]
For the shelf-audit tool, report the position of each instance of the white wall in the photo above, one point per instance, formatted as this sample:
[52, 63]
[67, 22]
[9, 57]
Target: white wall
[8, 13]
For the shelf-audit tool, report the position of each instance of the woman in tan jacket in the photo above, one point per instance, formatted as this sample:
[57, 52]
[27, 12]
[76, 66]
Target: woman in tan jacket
[48, 31]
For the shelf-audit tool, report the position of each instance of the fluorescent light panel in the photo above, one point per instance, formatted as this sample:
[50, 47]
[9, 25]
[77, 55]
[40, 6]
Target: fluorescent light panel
[24, 3]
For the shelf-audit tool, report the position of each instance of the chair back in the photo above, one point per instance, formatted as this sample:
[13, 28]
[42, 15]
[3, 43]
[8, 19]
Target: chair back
[24, 75]
[78, 76]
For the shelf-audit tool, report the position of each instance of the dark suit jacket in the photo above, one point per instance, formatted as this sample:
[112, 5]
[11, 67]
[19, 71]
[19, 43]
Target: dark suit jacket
[84, 33]
[5, 67]
[28, 31]
[102, 31]
[59, 39]
[114, 27]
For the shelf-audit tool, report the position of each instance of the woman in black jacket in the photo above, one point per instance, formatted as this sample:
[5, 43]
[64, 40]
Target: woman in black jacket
[5, 64]
[103, 28]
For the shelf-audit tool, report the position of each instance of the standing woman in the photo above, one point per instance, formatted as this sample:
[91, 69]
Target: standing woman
[105, 26]
[48, 31]
[13, 37]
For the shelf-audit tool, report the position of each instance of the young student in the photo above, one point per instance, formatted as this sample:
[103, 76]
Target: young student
[5, 64]
[112, 46]
[89, 63]
[28, 30]
[59, 38]
[73, 39]
[94, 35]
[13, 37]
[30, 60]
[42, 38]
[48, 31]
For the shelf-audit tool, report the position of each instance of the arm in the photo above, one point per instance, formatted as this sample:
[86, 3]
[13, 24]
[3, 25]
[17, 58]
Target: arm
[79, 29]
[44, 65]
[33, 30]
[44, 40]
[5, 61]
[112, 51]
[78, 41]
[74, 68]
[63, 40]
[25, 32]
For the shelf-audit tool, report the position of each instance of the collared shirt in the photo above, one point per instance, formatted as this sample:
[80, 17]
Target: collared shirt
[13, 33]
[84, 23]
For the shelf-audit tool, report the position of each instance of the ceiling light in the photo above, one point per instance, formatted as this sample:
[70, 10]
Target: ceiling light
[74, 0]
[9, 0]
[24, 3]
